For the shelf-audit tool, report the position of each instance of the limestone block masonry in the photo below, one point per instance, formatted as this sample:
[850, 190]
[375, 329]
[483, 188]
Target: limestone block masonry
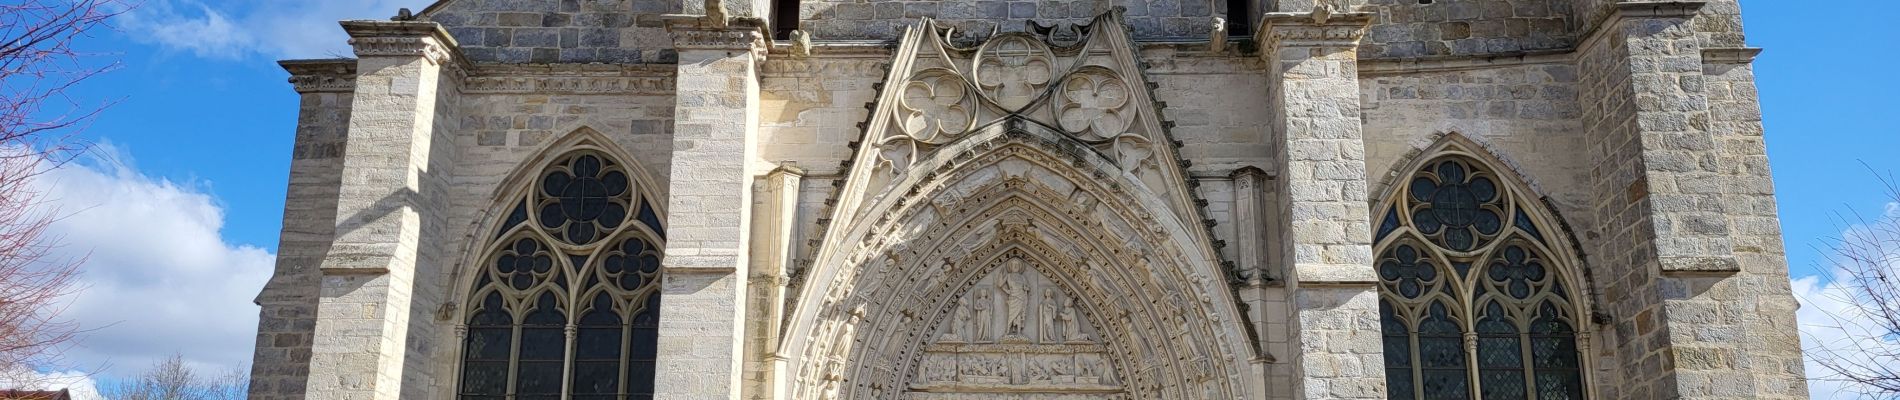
[1033, 200]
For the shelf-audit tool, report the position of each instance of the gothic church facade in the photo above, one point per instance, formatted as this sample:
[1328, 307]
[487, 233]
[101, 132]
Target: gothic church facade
[1036, 200]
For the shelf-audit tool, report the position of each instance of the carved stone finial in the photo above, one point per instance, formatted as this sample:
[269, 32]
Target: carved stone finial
[801, 43]
[1217, 37]
[1322, 14]
[716, 13]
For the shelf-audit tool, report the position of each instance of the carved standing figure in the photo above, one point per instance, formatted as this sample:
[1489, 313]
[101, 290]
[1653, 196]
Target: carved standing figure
[1015, 287]
[980, 307]
[1051, 319]
[840, 347]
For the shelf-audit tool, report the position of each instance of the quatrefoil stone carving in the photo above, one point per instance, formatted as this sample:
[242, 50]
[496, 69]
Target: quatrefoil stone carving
[1013, 70]
[933, 106]
[1093, 105]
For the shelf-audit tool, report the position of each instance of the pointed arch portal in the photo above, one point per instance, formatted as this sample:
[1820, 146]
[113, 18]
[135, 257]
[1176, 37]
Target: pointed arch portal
[1016, 224]
[1017, 236]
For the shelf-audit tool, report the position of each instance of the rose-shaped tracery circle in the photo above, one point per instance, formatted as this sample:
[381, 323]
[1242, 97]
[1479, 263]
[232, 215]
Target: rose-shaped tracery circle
[1407, 271]
[632, 263]
[1456, 206]
[583, 198]
[524, 263]
[933, 105]
[1092, 103]
[1518, 270]
[1013, 70]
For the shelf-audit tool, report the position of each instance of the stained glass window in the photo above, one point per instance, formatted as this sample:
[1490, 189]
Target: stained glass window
[566, 305]
[1473, 304]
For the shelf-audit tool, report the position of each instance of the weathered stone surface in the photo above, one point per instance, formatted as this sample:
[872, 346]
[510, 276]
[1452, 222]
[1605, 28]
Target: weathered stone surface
[1205, 214]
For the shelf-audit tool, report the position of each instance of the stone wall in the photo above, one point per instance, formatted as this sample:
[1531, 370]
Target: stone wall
[1150, 19]
[569, 31]
[288, 302]
[1526, 114]
[1428, 28]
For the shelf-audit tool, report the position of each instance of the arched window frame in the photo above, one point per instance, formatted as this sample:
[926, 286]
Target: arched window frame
[512, 218]
[1528, 223]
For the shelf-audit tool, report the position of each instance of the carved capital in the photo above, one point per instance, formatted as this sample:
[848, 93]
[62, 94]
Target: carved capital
[319, 76]
[401, 39]
[1320, 28]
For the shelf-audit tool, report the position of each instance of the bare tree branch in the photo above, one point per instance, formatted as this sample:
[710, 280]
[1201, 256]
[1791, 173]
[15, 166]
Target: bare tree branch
[38, 66]
[171, 379]
[1861, 341]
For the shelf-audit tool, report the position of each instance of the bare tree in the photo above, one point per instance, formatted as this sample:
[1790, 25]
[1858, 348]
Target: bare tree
[1856, 338]
[38, 65]
[171, 379]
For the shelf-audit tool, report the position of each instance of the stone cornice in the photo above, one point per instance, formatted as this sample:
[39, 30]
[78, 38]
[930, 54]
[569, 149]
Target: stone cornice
[1730, 55]
[696, 32]
[570, 79]
[405, 39]
[1320, 28]
[1656, 9]
[1633, 10]
[317, 76]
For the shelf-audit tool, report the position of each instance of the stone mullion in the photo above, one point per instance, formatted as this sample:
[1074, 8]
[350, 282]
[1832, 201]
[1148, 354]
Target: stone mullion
[715, 137]
[364, 307]
[1327, 242]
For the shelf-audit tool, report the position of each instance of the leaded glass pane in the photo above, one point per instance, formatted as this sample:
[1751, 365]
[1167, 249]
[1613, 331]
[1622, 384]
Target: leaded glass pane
[597, 345]
[651, 219]
[486, 352]
[644, 343]
[1554, 351]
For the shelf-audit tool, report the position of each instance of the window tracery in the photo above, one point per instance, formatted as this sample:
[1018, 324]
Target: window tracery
[566, 303]
[1473, 302]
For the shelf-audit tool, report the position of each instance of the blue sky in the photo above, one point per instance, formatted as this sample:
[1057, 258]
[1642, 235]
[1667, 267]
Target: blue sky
[203, 125]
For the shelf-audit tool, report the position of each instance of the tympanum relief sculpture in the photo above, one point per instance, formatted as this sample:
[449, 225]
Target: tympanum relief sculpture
[1038, 347]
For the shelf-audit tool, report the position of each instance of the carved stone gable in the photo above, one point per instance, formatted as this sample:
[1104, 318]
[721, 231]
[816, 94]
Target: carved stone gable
[1080, 80]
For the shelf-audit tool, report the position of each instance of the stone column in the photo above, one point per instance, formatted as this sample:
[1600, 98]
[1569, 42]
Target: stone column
[1325, 216]
[710, 198]
[390, 171]
[288, 303]
[774, 231]
[1682, 244]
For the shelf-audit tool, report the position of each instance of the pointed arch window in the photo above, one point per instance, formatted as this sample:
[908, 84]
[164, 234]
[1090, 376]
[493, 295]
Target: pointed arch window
[1475, 302]
[566, 302]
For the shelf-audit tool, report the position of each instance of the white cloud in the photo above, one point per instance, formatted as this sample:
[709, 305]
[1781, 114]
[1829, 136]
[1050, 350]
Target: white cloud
[188, 26]
[156, 276]
[234, 29]
[1837, 326]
